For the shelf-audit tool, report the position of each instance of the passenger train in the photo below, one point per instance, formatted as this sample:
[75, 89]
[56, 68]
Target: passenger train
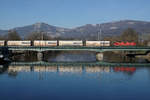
[64, 43]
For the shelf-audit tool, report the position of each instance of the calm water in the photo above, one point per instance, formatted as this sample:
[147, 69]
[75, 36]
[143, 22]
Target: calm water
[74, 82]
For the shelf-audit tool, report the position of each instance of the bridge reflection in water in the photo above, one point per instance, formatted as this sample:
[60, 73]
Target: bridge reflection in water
[43, 72]
[43, 69]
[71, 67]
[96, 63]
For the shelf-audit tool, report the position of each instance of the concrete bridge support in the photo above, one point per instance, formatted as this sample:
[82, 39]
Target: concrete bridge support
[99, 56]
[40, 56]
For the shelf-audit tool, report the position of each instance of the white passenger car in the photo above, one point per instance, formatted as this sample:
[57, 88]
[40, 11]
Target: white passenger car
[44, 43]
[2, 42]
[70, 43]
[106, 43]
[19, 43]
[93, 43]
[97, 43]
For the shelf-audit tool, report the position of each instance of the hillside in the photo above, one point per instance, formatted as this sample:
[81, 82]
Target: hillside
[88, 31]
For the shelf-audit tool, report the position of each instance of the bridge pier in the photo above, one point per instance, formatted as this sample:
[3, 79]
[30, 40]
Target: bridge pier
[99, 56]
[40, 56]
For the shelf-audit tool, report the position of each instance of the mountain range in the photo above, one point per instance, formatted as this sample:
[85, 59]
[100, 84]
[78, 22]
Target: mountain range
[88, 31]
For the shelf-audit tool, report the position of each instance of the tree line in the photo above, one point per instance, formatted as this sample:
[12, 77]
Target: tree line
[129, 35]
[13, 35]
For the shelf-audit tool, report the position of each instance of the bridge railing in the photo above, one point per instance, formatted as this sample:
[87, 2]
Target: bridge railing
[82, 47]
[71, 47]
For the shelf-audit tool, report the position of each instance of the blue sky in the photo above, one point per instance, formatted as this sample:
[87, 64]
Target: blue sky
[70, 13]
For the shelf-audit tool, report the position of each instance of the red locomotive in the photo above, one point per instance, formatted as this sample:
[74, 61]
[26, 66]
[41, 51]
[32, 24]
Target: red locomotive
[124, 69]
[124, 44]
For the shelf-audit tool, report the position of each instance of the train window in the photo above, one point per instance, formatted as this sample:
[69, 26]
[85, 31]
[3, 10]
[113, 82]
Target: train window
[76, 43]
[25, 42]
[52, 42]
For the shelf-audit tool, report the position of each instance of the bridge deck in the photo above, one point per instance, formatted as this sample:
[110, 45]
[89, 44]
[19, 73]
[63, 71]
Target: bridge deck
[77, 48]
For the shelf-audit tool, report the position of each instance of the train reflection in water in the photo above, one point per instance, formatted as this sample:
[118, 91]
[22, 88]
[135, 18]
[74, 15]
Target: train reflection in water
[124, 69]
[97, 69]
[70, 69]
[45, 69]
[66, 69]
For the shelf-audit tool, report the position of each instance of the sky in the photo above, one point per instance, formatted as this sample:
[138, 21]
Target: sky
[70, 13]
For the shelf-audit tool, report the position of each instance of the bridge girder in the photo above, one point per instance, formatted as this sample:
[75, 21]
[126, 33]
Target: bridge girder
[60, 48]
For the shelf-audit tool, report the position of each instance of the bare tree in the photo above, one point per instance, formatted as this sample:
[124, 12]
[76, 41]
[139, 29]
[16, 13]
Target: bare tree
[12, 35]
[129, 35]
[38, 36]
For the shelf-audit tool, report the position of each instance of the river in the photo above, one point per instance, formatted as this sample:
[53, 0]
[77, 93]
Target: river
[82, 82]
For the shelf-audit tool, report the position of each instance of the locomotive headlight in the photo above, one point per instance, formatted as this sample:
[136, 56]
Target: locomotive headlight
[1, 56]
[1, 66]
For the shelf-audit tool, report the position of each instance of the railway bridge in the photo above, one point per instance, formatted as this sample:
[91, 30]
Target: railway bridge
[98, 50]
